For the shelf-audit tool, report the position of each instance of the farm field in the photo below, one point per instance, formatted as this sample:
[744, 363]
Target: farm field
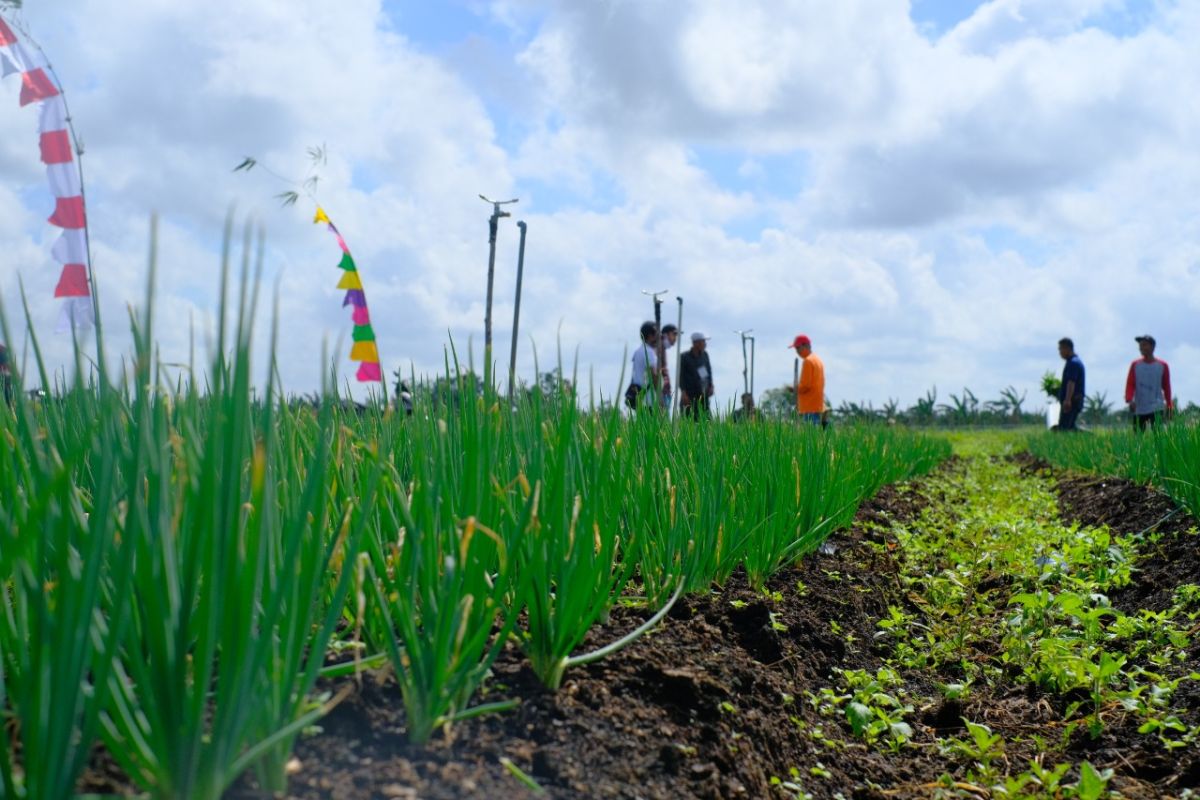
[193, 579]
[872, 470]
[399, 606]
[207, 595]
[899, 663]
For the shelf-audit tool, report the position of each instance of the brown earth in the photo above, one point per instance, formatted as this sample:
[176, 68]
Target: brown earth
[700, 708]
[713, 703]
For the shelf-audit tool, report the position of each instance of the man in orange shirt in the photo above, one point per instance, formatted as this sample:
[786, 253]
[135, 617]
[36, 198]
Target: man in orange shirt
[810, 390]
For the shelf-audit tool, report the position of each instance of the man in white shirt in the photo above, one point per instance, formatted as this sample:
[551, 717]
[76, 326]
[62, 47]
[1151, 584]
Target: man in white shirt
[645, 381]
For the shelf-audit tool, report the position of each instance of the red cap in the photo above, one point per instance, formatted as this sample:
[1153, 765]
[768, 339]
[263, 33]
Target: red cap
[802, 340]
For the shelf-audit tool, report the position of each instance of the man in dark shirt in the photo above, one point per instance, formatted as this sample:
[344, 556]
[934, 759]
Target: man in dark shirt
[695, 379]
[1070, 394]
[747, 413]
[5, 376]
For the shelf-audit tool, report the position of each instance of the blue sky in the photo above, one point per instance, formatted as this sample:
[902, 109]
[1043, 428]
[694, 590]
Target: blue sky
[934, 191]
[938, 16]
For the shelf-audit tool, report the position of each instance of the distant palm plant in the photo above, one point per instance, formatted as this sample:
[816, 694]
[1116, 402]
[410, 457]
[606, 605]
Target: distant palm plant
[926, 408]
[962, 408]
[1009, 404]
[1096, 408]
[855, 412]
[1015, 401]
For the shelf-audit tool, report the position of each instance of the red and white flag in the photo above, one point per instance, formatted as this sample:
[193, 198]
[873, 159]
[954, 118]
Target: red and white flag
[62, 174]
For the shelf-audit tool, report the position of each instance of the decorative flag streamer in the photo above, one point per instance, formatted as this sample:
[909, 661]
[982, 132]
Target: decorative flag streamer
[364, 350]
[350, 281]
[62, 174]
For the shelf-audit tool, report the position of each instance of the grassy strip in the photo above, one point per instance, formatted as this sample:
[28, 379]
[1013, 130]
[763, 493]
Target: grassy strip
[1169, 458]
[1001, 592]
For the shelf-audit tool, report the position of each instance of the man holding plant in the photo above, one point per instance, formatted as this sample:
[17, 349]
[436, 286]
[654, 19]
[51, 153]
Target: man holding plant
[1148, 386]
[1070, 391]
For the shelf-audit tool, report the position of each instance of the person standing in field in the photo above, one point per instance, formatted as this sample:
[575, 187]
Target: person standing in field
[670, 335]
[747, 413]
[1071, 392]
[1148, 386]
[645, 382]
[5, 377]
[810, 389]
[695, 379]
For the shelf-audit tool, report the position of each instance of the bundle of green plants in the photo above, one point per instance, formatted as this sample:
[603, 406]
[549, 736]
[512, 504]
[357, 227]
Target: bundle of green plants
[1051, 384]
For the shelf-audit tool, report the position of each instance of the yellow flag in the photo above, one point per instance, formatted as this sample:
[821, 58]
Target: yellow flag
[350, 281]
[321, 216]
[364, 351]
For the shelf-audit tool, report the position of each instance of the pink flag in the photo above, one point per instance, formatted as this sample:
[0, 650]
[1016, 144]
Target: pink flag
[68, 213]
[361, 315]
[368, 371]
[73, 282]
[56, 147]
[7, 37]
[36, 85]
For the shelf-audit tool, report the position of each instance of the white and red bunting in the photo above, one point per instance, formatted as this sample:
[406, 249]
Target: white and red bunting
[62, 174]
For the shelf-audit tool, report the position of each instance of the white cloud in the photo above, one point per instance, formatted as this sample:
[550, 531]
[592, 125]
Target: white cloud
[969, 201]
[1000, 22]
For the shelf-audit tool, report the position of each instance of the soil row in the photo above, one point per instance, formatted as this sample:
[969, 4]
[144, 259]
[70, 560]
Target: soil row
[714, 703]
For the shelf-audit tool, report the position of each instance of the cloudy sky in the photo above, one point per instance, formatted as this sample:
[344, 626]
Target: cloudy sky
[935, 191]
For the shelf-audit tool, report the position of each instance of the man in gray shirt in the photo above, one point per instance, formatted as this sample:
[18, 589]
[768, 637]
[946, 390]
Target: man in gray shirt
[1148, 386]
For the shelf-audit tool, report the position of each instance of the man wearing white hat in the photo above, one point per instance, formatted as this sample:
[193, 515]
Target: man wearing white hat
[695, 379]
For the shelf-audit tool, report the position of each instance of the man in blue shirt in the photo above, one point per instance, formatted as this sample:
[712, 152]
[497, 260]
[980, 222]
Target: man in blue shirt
[1070, 394]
